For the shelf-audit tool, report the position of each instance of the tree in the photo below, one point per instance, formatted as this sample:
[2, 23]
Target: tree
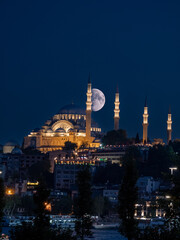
[83, 204]
[39, 169]
[2, 202]
[111, 173]
[41, 222]
[69, 146]
[27, 203]
[171, 206]
[41, 229]
[26, 231]
[84, 145]
[160, 158]
[115, 137]
[127, 197]
[98, 205]
[62, 205]
[137, 138]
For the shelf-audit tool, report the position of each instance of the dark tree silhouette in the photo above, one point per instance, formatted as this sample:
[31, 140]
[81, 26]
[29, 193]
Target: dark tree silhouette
[115, 137]
[2, 202]
[137, 140]
[83, 204]
[69, 146]
[41, 229]
[128, 196]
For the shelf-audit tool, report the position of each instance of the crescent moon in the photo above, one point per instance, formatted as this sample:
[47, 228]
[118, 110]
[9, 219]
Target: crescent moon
[98, 99]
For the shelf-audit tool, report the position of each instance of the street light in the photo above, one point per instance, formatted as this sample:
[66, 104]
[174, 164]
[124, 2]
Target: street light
[172, 169]
[9, 191]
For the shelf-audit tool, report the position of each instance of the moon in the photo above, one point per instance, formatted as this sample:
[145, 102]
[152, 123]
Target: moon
[98, 99]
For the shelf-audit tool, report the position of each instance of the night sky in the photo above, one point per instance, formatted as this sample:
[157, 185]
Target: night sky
[48, 48]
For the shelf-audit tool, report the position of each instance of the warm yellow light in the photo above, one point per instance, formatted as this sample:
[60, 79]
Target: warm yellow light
[10, 191]
[47, 206]
[33, 183]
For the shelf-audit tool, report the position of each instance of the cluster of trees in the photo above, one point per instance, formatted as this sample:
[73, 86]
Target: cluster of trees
[160, 157]
[111, 173]
[128, 197]
[155, 163]
[114, 137]
[40, 228]
[2, 202]
[119, 137]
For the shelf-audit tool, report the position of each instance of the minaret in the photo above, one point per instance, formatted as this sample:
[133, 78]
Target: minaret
[145, 123]
[88, 109]
[169, 125]
[116, 110]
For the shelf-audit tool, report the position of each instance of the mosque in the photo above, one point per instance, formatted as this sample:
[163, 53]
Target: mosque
[74, 124]
[71, 123]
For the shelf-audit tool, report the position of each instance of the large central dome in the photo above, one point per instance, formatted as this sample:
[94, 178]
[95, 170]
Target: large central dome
[71, 123]
[72, 109]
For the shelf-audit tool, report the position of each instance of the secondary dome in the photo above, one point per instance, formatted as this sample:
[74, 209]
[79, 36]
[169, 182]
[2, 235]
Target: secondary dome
[16, 151]
[9, 146]
[72, 109]
[49, 130]
[11, 143]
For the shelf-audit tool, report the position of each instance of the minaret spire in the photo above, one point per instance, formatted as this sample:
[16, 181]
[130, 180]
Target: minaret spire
[88, 108]
[89, 78]
[145, 105]
[169, 126]
[116, 110]
[145, 123]
[117, 89]
[169, 112]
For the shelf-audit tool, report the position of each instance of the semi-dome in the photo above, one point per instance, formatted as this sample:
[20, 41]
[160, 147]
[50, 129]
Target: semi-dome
[16, 151]
[60, 130]
[72, 109]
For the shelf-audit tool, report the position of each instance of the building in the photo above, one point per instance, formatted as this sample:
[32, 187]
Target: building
[111, 194]
[27, 160]
[71, 123]
[9, 146]
[65, 175]
[114, 155]
[147, 185]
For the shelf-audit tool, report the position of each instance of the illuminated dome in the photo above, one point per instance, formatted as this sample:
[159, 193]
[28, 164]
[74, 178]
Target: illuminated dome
[9, 146]
[69, 124]
[72, 109]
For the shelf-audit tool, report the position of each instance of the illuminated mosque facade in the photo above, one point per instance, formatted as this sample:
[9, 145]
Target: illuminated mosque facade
[75, 125]
[71, 123]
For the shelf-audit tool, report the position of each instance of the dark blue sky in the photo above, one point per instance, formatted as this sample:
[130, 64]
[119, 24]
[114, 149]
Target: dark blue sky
[47, 49]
